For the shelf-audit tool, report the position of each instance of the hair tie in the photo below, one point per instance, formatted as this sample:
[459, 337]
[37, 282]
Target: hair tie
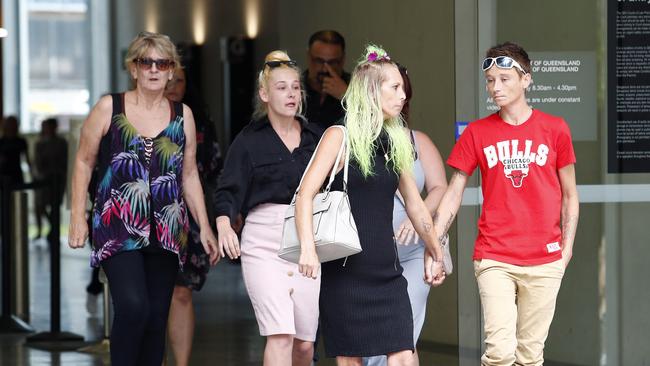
[375, 53]
[374, 56]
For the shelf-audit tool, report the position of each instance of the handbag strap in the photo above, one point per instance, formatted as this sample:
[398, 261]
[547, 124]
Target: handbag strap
[338, 161]
[336, 164]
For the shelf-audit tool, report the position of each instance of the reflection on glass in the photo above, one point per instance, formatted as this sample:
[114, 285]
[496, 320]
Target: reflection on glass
[58, 59]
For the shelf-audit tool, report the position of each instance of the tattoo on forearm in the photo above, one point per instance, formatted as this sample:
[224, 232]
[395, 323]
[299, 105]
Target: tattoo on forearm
[426, 226]
[445, 229]
[448, 224]
[569, 225]
[452, 215]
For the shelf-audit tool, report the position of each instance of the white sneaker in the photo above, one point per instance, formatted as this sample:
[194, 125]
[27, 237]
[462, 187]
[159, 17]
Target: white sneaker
[91, 304]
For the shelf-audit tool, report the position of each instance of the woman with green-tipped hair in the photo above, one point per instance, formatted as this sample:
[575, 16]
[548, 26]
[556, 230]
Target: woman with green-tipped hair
[364, 304]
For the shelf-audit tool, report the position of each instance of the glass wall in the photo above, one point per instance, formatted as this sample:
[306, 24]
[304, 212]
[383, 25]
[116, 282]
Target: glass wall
[55, 59]
[57, 50]
[58, 61]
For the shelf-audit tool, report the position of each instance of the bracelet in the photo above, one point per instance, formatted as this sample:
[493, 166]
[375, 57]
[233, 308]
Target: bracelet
[435, 261]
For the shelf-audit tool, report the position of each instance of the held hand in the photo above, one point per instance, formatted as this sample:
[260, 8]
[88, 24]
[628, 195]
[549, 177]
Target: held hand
[333, 84]
[210, 245]
[78, 232]
[433, 273]
[228, 241]
[406, 234]
[308, 264]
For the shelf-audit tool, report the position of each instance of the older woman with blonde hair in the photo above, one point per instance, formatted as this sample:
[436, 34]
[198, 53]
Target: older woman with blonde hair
[364, 303]
[145, 149]
[261, 172]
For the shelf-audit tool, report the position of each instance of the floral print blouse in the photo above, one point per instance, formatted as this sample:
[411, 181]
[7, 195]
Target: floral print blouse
[139, 198]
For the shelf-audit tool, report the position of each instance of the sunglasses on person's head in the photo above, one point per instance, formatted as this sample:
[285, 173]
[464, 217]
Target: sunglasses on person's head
[274, 64]
[502, 62]
[162, 64]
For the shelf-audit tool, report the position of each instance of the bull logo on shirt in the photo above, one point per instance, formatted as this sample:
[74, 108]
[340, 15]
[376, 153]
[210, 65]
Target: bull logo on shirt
[516, 170]
[516, 163]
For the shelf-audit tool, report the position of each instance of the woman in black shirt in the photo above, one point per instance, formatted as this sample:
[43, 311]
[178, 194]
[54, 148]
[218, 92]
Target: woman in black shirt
[261, 172]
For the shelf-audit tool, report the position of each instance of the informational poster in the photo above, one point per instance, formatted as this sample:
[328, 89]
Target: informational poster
[628, 79]
[564, 84]
[460, 127]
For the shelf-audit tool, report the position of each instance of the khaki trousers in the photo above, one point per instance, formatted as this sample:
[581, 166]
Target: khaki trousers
[518, 306]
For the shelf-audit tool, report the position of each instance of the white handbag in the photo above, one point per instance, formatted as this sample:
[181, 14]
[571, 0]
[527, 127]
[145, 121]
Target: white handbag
[335, 233]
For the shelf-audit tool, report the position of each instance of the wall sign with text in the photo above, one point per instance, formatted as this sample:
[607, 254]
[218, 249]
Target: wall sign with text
[628, 89]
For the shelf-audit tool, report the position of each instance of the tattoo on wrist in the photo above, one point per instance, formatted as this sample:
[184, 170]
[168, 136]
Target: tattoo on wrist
[569, 225]
[425, 225]
[449, 222]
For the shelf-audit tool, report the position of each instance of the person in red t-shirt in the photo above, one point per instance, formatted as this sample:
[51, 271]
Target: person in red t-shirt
[529, 214]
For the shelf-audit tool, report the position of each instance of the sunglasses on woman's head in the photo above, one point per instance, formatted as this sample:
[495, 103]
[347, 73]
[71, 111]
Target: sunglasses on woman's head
[162, 64]
[274, 64]
[502, 62]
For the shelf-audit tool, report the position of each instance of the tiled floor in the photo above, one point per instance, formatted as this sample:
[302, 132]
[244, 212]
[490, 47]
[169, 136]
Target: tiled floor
[226, 332]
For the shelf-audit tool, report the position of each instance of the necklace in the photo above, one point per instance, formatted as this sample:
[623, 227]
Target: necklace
[381, 143]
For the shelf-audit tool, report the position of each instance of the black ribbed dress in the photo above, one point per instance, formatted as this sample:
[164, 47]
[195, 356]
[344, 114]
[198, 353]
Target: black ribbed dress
[364, 304]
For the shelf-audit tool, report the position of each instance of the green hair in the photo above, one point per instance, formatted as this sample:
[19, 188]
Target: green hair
[364, 117]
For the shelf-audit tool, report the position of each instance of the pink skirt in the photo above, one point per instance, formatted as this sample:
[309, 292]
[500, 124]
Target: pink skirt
[284, 301]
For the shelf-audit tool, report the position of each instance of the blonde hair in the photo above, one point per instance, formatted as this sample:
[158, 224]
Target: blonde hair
[261, 109]
[364, 117]
[146, 41]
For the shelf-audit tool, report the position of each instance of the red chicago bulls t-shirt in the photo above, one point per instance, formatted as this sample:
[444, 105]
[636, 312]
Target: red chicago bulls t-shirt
[522, 198]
